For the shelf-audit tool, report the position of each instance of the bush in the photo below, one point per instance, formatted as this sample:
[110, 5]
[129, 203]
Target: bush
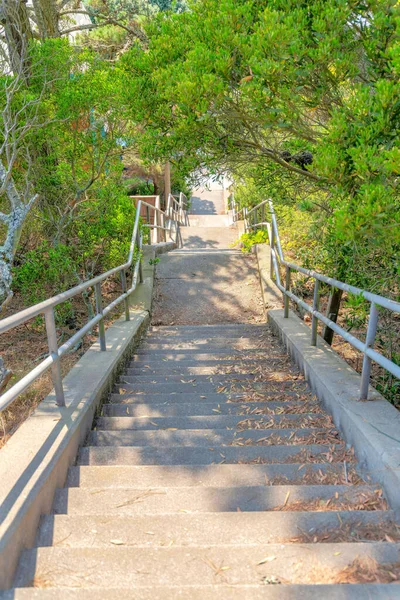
[248, 240]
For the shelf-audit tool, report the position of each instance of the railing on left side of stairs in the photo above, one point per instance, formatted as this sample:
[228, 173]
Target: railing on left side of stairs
[164, 225]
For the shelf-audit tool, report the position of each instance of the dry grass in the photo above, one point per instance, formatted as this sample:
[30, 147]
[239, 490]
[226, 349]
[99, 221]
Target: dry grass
[373, 500]
[330, 476]
[284, 423]
[361, 570]
[267, 386]
[319, 437]
[25, 346]
[354, 531]
[335, 454]
[307, 407]
[274, 397]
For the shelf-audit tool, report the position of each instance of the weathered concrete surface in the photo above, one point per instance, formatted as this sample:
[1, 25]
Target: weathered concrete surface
[372, 427]
[197, 287]
[208, 202]
[209, 237]
[143, 295]
[170, 565]
[36, 459]
[224, 591]
[207, 282]
[75, 530]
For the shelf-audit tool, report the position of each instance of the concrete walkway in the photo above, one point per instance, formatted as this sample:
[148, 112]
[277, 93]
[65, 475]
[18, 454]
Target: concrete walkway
[208, 201]
[209, 280]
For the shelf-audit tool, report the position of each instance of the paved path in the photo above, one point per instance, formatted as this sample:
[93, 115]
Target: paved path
[208, 202]
[209, 280]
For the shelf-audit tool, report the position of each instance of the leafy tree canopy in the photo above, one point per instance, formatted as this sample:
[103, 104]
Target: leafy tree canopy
[305, 92]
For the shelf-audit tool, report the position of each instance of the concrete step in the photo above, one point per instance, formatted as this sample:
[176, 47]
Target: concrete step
[265, 396]
[225, 328]
[211, 592]
[190, 456]
[80, 530]
[212, 332]
[200, 221]
[207, 368]
[162, 378]
[203, 252]
[218, 475]
[220, 379]
[235, 349]
[203, 407]
[211, 437]
[200, 360]
[202, 354]
[123, 566]
[170, 500]
[227, 345]
[215, 422]
[207, 387]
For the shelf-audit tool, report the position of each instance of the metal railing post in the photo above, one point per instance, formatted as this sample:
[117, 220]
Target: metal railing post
[272, 244]
[126, 301]
[314, 324]
[99, 309]
[139, 257]
[285, 296]
[369, 342]
[53, 351]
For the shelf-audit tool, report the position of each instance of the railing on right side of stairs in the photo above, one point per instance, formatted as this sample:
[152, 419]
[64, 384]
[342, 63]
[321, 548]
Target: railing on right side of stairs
[164, 226]
[256, 217]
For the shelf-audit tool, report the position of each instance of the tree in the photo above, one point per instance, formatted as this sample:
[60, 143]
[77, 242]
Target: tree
[306, 92]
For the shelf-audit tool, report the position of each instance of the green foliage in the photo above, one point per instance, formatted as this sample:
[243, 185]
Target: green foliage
[252, 87]
[97, 239]
[248, 240]
[44, 268]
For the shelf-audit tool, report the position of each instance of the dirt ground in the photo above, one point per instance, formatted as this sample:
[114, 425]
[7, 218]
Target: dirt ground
[26, 346]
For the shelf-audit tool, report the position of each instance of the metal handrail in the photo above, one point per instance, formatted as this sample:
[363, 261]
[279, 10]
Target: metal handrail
[47, 307]
[277, 259]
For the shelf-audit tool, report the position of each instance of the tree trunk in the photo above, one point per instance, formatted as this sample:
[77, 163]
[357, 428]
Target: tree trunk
[14, 222]
[17, 31]
[335, 299]
[46, 18]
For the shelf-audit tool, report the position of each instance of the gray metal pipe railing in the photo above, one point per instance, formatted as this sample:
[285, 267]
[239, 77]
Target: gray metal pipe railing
[47, 307]
[251, 221]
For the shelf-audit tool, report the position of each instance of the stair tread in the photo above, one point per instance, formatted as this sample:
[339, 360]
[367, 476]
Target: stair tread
[136, 396]
[201, 407]
[207, 437]
[219, 475]
[248, 528]
[191, 455]
[373, 591]
[92, 567]
[160, 500]
[215, 421]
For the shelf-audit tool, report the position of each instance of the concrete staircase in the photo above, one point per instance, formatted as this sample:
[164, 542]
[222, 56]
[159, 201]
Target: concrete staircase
[213, 472]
